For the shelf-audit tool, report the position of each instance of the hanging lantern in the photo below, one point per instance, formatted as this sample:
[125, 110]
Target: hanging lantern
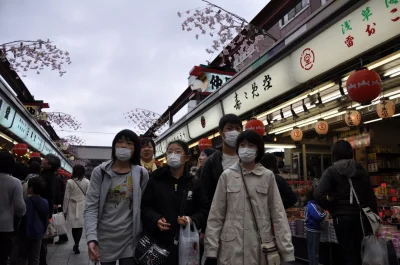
[321, 127]
[386, 108]
[255, 125]
[72, 158]
[35, 154]
[20, 149]
[352, 118]
[296, 134]
[204, 143]
[364, 86]
[64, 146]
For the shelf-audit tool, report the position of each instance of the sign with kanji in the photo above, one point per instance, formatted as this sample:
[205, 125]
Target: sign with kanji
[215, 81]
[271, 83]
[364, 28]
[211, 119]
[180, 134]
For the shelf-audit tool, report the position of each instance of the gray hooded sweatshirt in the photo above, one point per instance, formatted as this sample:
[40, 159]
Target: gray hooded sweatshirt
[100, 183]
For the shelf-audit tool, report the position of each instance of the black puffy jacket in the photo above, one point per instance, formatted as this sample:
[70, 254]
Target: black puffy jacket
[335, 185]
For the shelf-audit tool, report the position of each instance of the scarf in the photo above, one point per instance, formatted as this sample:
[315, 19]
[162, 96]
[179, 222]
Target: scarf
[150, 166]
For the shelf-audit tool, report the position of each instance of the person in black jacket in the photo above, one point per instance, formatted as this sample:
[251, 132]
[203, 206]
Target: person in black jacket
[289, 198]
[171, 196]
[333, 194]
[60, 186]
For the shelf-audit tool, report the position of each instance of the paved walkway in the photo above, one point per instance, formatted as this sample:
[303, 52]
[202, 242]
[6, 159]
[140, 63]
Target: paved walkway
[63, 254]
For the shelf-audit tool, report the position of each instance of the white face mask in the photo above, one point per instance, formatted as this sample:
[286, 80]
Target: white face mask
[174, 160]
[230, 138]
[123, 154]
[247, 155]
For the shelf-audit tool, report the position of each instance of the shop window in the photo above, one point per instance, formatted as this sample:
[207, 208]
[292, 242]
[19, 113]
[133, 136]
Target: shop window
[299, 7]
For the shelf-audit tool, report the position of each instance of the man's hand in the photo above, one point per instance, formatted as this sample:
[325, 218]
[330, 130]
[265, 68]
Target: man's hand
[163, 225]
[183, 220]
[93, 251]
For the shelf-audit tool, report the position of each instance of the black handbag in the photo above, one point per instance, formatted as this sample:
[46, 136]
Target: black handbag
[148, 252]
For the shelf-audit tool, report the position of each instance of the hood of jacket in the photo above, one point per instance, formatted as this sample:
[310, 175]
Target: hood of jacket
[346, 167]
[165, 172]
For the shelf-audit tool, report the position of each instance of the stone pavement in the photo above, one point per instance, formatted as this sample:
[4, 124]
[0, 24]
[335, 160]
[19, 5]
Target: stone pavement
[63, 254]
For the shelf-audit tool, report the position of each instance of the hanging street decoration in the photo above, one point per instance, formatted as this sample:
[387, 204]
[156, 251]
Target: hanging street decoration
[204, 143]
[352, 118]
[20, 149]
[143, 120]
[296, 134]
[364, 86]
[62, 120]
[386, 108]
[256, 125]
[321, 127]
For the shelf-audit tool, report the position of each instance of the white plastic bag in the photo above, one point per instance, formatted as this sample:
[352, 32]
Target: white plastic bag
[374, 251]
[60, 223]
[189, 247]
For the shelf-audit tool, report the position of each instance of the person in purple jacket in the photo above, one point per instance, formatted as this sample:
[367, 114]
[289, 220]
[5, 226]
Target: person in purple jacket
[314, 215]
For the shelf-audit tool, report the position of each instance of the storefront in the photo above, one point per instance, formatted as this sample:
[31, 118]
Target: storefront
[18, 127]
[302, 99]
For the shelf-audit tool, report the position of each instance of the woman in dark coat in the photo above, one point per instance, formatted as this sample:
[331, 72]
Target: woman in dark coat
[171, 196]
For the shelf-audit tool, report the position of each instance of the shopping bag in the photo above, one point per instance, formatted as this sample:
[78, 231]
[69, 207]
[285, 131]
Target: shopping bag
[374, 251]
[51, 231]
[189, 248]
[60, 223]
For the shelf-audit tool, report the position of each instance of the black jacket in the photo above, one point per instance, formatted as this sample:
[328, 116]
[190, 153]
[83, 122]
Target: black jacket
[50, 189]
[334, 183]
[289, 198]
[60, 187]
[163, 197]
[210, 174]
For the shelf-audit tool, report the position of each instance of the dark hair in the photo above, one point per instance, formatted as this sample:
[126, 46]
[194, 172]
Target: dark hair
[35, 159]
[310, 195]
[145, 141]
[209, 151]
[34, 167]
[184, 146]
[78, 172]
[7, 162]
[269, 161]
[254, 138]
[229, 119]
[128, 135]
[37, 184]
[341, 150]
[54, 161]
[20, 171]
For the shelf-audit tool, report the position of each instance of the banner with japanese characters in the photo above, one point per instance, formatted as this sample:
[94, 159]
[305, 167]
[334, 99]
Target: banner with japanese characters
[366, 27]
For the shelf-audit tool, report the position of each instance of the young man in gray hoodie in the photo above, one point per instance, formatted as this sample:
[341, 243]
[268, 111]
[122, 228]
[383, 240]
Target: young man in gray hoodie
[11, 203]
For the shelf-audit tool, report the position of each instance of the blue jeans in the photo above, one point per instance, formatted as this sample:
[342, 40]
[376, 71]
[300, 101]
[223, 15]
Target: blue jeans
[313, 239]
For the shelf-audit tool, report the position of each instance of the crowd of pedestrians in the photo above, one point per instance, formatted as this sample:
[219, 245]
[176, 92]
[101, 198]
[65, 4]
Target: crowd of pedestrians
[233, 195]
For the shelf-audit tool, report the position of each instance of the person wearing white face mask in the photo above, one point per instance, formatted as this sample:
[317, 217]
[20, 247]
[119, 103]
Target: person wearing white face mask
[245, 211]
[112, 211]
[172, 197]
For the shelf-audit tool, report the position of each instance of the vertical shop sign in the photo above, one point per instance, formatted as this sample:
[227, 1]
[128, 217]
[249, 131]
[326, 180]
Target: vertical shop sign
[7, 113]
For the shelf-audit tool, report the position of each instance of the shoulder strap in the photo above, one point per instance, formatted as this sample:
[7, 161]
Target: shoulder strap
[79, 187]
[251, 205]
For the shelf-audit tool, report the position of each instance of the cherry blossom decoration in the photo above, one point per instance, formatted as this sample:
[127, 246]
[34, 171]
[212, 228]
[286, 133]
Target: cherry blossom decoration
[143, 120]
[62, 120]
[34, 55]
[229, 31]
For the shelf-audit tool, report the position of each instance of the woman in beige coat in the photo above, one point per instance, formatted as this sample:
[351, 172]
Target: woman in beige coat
[231, 236]
[74, 203]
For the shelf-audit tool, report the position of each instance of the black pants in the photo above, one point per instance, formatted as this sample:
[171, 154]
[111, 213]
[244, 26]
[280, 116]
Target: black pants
[5, 246]
[29, 250]
[77, 234]
[43, 252]
[349, 235]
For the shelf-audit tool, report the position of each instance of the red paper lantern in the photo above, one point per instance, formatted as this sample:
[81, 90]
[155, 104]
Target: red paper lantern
[204, 143]
[256, 125]
[364, 86]
[20, 149]
[35, 154]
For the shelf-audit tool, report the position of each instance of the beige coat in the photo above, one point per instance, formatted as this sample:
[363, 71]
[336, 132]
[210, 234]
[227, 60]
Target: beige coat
[231, 234]
[74, 201]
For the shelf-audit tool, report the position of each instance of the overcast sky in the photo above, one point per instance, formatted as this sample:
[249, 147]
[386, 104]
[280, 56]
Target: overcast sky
[125, 54]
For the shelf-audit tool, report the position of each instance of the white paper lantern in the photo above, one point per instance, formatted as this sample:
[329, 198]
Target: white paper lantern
[64, 146]
[321, 127]
[197, 85]
[296, 134]
[386, 108]
[352, 118]
[72, 158]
